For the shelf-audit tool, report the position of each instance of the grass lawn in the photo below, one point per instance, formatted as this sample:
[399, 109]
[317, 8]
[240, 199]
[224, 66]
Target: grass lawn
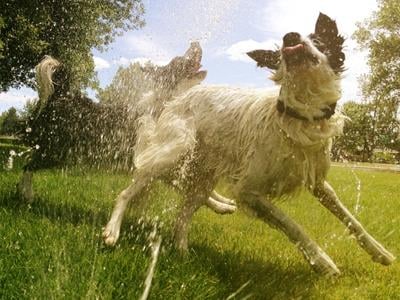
[52, 249]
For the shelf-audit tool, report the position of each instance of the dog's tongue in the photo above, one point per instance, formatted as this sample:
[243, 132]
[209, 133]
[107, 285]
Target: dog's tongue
[293, 49]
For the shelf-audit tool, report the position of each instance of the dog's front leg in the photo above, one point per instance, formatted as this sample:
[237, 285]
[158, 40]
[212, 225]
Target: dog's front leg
[24, 187]
[277, 219]
[112, 229]
[329, 199]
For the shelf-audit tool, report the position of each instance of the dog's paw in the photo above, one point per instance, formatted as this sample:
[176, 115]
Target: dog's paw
[182, 251]
[378, 253]
[110, 235]
[324, 265]
[181, 244]
[385, 258]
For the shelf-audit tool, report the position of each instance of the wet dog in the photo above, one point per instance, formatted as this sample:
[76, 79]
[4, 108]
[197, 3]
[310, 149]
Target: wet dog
[69, 128]
[268, 145]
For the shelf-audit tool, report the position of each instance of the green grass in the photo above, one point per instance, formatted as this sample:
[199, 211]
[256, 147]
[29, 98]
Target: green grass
[52, 249]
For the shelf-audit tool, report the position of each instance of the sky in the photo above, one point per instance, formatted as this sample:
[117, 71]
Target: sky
[226, 30]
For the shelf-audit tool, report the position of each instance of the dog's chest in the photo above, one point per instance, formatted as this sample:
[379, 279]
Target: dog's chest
[279, 170]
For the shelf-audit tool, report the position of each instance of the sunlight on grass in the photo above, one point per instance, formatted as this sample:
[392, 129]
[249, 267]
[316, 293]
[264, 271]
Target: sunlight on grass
[53, 248]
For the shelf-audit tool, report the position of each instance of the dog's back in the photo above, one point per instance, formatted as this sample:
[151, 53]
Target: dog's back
[241, 135]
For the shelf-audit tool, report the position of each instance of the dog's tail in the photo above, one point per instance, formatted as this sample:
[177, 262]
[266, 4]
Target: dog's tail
[44, 74]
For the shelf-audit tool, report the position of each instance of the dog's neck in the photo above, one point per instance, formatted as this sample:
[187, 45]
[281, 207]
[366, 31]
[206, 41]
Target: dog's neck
[310, 95]
[283, 109]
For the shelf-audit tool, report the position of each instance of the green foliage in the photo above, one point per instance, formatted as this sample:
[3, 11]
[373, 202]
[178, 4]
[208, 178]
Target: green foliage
[10, 122]
[363, 135]
[1, 42]
[29, 109]
[65, 29]
[356, 143]
[380, 35]
[120, 89]
[13, 121]
[53, 249]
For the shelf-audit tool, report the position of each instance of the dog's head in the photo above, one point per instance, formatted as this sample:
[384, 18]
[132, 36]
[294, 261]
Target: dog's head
[188, 66]
[180, 74]
[324, 46]
[308, 70]
[160, 84]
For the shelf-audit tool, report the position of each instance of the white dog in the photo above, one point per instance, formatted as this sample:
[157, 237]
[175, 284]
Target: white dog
[267, 145]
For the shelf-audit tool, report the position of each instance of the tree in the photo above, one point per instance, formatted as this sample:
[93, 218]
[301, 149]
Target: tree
[129, 83]
[29, 109]
[380, 35]
[357, 142]
[1, 43]
[11, 122]
[65, 29]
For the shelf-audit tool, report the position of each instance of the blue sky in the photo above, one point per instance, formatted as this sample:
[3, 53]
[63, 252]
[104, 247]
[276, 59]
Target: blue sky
[226, 29]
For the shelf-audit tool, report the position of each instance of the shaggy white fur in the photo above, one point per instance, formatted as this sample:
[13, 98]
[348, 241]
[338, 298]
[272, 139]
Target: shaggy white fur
[213, 132]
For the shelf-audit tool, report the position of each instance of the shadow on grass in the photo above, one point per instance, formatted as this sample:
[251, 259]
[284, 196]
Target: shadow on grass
[266, 279]
[231, 269]
[69, 213]
[58, 212]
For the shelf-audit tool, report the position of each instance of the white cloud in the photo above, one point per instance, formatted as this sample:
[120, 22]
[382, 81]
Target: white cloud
[122, 61]
[100, 63]
[237, 52]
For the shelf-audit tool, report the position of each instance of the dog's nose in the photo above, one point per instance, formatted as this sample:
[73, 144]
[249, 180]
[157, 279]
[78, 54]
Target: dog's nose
[291, 39]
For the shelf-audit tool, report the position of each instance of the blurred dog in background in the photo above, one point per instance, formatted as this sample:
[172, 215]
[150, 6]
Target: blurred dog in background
[73, 129]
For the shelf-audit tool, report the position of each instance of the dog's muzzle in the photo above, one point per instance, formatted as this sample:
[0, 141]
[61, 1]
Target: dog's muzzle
[295, 52]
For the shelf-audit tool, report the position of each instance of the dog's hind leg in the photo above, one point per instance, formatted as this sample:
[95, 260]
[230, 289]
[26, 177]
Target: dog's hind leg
[112, 229]
[277, 219]
[222, 199]
[220, 204]
[198, 188]
[330, 200]
[191, 205]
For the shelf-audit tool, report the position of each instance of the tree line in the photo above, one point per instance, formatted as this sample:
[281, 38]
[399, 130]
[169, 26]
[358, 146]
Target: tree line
[373, 134]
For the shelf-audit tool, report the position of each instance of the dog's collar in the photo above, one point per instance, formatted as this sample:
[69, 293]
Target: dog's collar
[283, 109]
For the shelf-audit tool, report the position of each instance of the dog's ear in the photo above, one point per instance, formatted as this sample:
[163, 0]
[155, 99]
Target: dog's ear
[266, 58]
[325, 26]
[327, 32]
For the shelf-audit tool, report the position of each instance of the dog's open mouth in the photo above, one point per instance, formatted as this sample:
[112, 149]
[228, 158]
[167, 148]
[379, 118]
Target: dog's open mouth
[293, 50]
[294, 55]
[196, 71]
[194, 56]
[298, 55]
